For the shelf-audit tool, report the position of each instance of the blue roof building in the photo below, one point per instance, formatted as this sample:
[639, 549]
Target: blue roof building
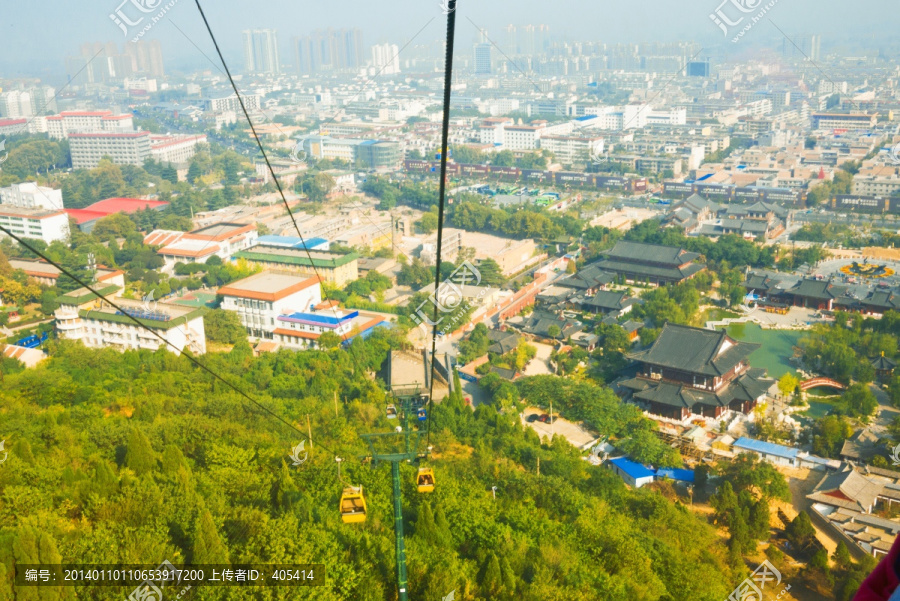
[634, 474]
[676, 474]
[294, 242]
[767, 451]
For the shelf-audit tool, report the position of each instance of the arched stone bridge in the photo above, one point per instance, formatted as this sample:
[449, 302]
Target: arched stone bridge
[816, 382]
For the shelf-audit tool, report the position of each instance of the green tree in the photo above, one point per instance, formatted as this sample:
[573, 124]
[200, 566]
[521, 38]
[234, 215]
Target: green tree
[208, 547]
[491, 578]
[139, 455]
[841, 556]
[429, 222]
[829, 434]
[328, 341]
[800, 532]
[553, 331]
[859, 401]
[748, 472]
[788, 384]
[223, 326]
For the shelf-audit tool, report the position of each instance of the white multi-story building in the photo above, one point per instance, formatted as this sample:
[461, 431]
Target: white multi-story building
[386, 59]
[572, 149]
[69, 122]
[833, 87]
[527, 137]
[287, 309]
[174, 150]
[42, 224]
[261, 51]
[521, 137]
[675, 116]
[27, 103]
[123, 148]
[261, 298]
[140, 84]
[31, 196]
[11, 127]
[253, 102]
[221, 240]
[866, 185]
[84, 316]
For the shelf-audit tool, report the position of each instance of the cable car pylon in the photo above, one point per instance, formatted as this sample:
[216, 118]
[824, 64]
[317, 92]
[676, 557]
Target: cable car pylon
[411, 440]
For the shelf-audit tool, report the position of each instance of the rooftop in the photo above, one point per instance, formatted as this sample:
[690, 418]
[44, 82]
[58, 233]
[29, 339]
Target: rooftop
[695, 350]
[768, 448]
[269, 286]
[295, 256]
[651, 253]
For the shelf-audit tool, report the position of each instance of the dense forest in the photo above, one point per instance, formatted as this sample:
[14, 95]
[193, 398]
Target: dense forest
[141, 457]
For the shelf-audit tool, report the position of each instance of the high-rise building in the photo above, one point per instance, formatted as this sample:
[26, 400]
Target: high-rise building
[123, 148]
[101, 63]
[328, 50]
[510, 40]
[386, 58]
[147, 57]
[31, 196]
[805, 46]
[482, 59]
[27, 103]
[261, 51]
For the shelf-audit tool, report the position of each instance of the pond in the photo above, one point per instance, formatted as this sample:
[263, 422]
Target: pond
[776, 350]
[817, 409]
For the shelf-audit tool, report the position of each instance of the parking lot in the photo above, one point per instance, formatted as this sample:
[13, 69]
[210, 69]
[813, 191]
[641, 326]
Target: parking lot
[574, 433]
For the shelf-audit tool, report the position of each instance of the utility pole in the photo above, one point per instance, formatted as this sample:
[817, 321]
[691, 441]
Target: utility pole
[539, 466]
[309, 433]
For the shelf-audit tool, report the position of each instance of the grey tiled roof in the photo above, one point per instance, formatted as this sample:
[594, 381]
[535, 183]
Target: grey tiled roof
[651, 253]
[671, 273]
[747, 387]
[694, 350]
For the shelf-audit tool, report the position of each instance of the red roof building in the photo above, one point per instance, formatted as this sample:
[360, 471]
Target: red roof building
[98, 210]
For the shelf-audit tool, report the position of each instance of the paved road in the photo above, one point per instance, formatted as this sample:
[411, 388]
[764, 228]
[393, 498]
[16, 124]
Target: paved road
[886, 412]
[540, 365]
[574, 433]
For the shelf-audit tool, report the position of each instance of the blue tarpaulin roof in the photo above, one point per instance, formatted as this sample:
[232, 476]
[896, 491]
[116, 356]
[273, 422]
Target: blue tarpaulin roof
[676, 474]
[769, 448]
[633, 469]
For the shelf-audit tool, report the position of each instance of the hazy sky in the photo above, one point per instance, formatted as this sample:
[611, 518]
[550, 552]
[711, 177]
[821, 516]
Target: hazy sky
[37, 35]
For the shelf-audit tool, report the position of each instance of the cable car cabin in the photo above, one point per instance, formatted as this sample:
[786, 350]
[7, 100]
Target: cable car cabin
[425, 479]
[391, 412]
[353, 506]
[423, 415]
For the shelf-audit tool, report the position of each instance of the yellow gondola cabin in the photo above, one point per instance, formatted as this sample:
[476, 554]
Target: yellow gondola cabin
[425, 479]
[353, 505]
